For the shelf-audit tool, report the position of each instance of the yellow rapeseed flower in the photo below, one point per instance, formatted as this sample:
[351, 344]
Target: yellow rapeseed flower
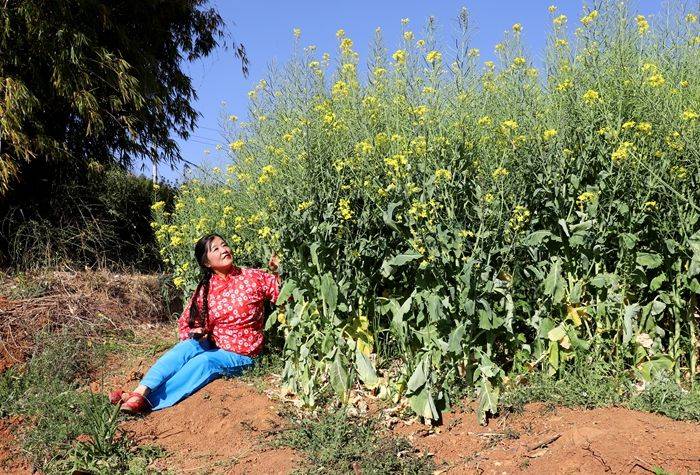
[433, 57]
[642, 24]
[304, 205]
[201, 200]
[591, 97]
[399, 56]
[519, 217]
[689, 115]
[552, 8]
[679, 172]
[158, 205]
[564, 85]
[340, 33]
[656, 80]
[622, 152]
[517, 28]
[644, 127]
[588, 19]
[408, 35]
[344, 209]
[346, 45]
[586, 197]
[499, 173]
[296, 32]
[690, 18]
[650, 206]
[630, 124]
[560, 20]
[236, 145]
[485, 121]
[442, 174]
[549, 134]
[509, 126]
[340, 88]
[473, 53]
[519, 61]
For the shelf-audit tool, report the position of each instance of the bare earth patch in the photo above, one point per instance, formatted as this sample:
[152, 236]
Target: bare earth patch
[225, 427]
[561, 441]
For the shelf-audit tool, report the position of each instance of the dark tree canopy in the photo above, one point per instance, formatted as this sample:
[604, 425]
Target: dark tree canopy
[98, 81]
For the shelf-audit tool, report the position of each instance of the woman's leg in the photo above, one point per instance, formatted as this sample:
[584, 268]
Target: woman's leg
[171, 362]
[195, 374]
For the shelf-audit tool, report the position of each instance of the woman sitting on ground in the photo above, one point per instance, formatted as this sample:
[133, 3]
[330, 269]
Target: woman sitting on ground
[220, 328]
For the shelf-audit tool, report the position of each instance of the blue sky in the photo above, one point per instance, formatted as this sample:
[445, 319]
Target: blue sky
[265, 28]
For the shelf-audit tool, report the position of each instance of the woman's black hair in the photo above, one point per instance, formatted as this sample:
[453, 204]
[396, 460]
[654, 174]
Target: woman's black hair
[197, 318]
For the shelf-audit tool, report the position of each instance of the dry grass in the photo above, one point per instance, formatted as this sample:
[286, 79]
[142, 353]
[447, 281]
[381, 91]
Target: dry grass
[89, 302]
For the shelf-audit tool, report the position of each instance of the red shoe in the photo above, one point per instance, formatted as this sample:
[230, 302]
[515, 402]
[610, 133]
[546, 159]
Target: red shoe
[115, 397]
[136, 404]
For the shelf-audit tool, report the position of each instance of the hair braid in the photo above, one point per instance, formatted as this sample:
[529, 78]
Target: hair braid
[195, 316]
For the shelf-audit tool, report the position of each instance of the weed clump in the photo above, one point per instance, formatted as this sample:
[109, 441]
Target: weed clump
[337, 443]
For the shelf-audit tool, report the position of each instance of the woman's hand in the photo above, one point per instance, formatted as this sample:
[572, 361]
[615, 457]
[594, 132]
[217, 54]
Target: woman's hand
[274, 263]
[196, 333]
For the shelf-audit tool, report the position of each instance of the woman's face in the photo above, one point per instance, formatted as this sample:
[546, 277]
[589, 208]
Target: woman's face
[219, 257]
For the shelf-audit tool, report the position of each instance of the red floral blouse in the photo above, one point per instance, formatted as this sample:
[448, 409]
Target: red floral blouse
[236, 307]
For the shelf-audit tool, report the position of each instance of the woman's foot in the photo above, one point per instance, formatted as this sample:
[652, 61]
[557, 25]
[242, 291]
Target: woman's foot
[117, 396]
[136, 403]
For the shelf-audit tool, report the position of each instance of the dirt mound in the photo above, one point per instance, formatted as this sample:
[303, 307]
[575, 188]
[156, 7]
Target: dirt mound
[92, 302]
[561, 440]
[223, 428]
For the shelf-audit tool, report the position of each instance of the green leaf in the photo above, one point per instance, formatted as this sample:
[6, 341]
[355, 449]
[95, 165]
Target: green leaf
[289, 286]
[365, 370]
[397, 261]
[649, 260]
[455, 341]
[630, 314]
[628, 240]
[557, 333]
[339, 378]
[657, 282]
[656, 364]
[434, 307]
[329, 292]
[581, 227]
[423, 404]
[554, 283]
[418, 378]
[314, 254]
[536, 237]
[488, 401]
[388, 216]
[271, 319]
[598, 281]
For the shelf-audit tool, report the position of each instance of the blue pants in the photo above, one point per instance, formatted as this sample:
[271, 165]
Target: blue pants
[187, 367]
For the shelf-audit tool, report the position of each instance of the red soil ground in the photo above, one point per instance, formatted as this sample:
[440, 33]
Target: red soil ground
[561, 441]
